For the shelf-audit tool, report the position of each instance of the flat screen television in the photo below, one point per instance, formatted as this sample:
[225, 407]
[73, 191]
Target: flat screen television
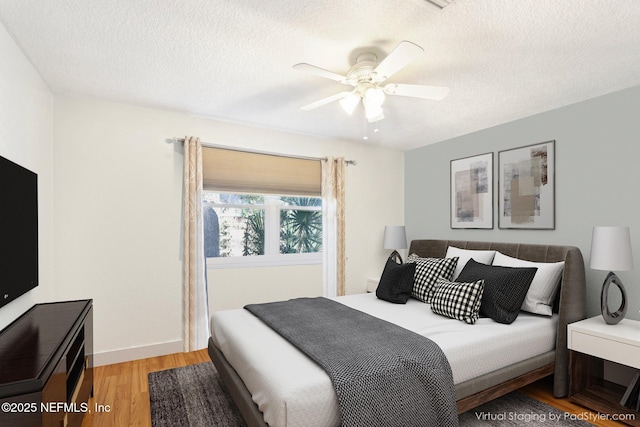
[18, 231]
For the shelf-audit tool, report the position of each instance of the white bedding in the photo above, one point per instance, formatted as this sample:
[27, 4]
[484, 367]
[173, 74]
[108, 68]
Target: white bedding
[291, 390]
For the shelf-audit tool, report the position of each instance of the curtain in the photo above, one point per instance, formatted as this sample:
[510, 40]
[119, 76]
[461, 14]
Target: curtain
[333, 228]
[196, 305]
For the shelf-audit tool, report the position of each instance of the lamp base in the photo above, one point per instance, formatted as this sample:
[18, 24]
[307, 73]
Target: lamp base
[395, 255]
[615, 317]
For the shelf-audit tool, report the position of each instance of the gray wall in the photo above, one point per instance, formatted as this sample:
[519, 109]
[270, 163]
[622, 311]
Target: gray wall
[597, 178]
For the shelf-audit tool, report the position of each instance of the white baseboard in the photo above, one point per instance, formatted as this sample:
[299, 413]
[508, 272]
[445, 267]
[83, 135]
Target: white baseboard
[134, 353]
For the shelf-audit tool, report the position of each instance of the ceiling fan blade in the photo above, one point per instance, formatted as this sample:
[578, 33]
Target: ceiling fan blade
[320, 72]
[417, 91]
[325, 101]
[399, 57]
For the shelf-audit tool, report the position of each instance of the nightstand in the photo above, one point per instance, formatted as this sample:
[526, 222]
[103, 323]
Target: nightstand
[592, 341]
[372, 284]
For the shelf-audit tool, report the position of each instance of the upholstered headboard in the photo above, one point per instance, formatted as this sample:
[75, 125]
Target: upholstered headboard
[570, 301]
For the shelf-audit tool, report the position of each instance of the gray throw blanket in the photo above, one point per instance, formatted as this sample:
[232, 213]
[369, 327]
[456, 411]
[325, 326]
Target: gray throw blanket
[384, 375]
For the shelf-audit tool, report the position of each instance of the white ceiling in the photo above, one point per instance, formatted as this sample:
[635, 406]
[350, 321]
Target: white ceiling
[502, 59]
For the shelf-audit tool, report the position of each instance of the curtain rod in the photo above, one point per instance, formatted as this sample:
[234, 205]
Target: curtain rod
[267, 153]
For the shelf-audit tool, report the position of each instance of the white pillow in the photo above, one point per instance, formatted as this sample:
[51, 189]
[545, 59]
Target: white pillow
[465, 255]
[545, 283]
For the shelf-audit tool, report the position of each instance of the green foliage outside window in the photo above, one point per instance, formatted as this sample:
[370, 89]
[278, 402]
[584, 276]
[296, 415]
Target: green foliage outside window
[300, 229]
[253, 239]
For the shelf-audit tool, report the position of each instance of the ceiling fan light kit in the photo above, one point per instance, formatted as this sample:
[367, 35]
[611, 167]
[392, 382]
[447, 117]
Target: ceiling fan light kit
[366, 77]
[372, 101]
[350, 103]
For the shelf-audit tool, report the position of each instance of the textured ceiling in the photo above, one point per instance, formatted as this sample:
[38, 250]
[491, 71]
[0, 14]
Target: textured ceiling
[232, 60]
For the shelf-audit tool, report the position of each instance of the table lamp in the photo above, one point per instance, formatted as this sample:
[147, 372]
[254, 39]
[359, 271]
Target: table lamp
[611, 250]
[395, 237]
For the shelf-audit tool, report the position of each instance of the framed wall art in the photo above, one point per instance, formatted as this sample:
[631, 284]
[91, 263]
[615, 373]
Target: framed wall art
[472, 192]
[526, 187]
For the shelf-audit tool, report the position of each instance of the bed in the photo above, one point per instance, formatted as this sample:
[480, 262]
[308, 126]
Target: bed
[236, 358]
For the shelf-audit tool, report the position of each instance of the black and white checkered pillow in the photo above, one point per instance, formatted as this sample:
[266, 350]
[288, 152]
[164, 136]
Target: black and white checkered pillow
[428, 271]
[458, 300]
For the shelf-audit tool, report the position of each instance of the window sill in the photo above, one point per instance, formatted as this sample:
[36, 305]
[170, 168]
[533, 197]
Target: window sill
[264, 261]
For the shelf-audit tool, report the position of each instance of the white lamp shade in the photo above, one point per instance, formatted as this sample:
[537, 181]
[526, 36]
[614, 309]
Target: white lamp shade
[374, 96]
[374, 114]
[350, 103]
[395, 237]
[372, 101]
[611, 249]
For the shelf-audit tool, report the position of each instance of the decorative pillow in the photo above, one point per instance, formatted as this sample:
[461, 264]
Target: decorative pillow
[458, 300]
[504, 288]
[464, 255]
[539, 298]
[396, 282]
[428, 271]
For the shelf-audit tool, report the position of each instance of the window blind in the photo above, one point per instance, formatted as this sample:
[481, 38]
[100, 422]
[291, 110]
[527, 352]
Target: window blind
[245, 172]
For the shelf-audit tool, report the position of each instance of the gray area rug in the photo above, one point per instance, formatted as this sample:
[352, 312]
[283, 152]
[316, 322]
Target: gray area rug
[194, 396]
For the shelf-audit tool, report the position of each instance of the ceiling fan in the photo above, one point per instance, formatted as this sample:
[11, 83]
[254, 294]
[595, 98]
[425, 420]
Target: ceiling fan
[367, 76]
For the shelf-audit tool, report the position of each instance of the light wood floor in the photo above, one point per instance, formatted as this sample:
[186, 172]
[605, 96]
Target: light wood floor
[121, 391]
[124, 388]
[543, 391]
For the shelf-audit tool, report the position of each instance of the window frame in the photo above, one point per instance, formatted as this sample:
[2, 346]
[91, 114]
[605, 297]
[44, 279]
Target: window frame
[272, 208]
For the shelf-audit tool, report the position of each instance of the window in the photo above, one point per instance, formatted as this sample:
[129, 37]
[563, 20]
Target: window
[252, 229]
[261, 209]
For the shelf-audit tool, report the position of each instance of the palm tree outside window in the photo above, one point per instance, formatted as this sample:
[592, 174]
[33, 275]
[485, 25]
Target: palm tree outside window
[262, 227]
